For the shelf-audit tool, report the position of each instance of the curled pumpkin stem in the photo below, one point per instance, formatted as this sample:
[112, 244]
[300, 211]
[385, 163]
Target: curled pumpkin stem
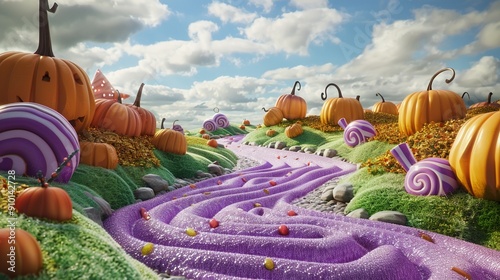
[162, 122]
[489, 97]
[463, 94]
[378, 94]
[137, 101]
[294, 86]
[265, 109]
[429, 87]
[324, 94]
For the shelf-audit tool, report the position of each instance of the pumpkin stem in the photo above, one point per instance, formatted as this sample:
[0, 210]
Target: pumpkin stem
[63, 164]
[137, 101]
[173, 124]
[463, 94]
[265, 109]
[489, 97]
[378, 94]
[324, 95]
[216, 110]
[295, 85]
[44, 42]
[357, 97]
[429, 87]
[162, 121]
[119, 97]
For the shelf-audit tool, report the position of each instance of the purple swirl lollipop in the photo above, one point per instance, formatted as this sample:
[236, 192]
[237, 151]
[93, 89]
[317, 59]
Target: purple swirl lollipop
[221, 120]
[357, 132]
[431, 176]
[210, 125]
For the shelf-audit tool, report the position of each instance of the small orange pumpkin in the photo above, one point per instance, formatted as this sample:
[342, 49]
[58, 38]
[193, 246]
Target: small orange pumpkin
[28, 257]
[148, 119]
[292, 106]
[273, 116]
[384, 107]
[117, 117]
[271, 132]
[475, 156]
[427, 106]
[242, 126]
[212, 143]
[171, 141]
[294, 130]
[98, 154]
[336, 108]
[486, 103]
[246, 122]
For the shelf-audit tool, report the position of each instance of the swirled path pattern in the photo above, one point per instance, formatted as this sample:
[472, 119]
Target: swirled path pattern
[178, 232]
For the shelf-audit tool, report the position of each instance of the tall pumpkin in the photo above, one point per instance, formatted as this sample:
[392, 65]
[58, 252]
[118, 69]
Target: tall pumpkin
[41, 78]
[475, 156]
[148, 119]
[292, 106]
[384, 106]
[117, 117]
[427, 106]
[273, 116]
[336, 108]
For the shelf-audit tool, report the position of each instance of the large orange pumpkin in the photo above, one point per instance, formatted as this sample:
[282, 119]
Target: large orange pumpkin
[475, 156]
[427, 106]
[171, 141]
[41, 78]
[273, 116]
[27, 254]
[486, 103]
[148, 119]
[98, 154]
[292, 106]
[117, 117]
[384, 106]
[336, 108]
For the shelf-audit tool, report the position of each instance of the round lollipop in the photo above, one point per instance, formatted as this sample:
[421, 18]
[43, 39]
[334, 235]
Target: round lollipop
[357, 132]
[220, 119]
[34, 137]
[431, 176]
[209, 125]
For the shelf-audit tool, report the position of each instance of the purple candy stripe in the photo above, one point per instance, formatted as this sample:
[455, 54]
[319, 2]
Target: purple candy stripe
[13, 162]
[209, 125]
[342, 123]
[432, 176]
[221, 120]
[404, 156]
[37, 156]
[357, 132]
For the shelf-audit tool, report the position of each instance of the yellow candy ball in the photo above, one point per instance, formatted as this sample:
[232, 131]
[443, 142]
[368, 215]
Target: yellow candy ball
[269, 264]
[191, 232]
[147, 249]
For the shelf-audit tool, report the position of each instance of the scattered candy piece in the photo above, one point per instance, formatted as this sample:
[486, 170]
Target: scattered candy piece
[145, 214]
[425, 236]
[291, 213]
[256, 204]
[193, 186]
[147, 249]
[191, 232]
[283, 230]
[278, 157]
[269, 264]
[272, 183]
[219, 182]
[207, 193]
[266, 191]
[462, 272]
[213, 223]
[244, 179]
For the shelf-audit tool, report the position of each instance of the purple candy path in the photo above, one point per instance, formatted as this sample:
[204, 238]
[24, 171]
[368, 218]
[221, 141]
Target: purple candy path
[250, 208]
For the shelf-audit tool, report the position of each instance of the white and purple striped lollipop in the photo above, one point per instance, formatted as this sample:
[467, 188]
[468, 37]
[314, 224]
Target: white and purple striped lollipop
[210, 125]
[430, 176]
[34, 137]
[221, 120]
[357, 132]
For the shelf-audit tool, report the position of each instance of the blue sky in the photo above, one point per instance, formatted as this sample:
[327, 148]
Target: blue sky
[241, 56]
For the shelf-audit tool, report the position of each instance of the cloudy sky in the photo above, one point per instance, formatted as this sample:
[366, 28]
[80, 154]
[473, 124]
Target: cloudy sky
[241, 55]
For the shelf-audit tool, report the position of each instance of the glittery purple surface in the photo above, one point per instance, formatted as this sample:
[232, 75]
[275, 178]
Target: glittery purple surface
[250, 209]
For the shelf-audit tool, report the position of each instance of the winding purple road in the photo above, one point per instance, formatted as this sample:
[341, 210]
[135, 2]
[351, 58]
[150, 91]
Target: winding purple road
[250, 206]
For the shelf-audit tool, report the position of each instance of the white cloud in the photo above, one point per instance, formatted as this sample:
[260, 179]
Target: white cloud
[293, 32]
[267, 5]
[309, 4]
[483, 73]
[227, 13]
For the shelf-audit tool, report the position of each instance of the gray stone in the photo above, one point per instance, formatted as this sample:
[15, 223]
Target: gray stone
[393, 217]
[104, 206]
[327, 193]
[144, 193]
[295, 148]
[280, 145]
[309, 150]
[215, 169]
[93, 214]
[271, 145]
[155, 182]
[360, 213]
[343, 192]
[329, 153]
